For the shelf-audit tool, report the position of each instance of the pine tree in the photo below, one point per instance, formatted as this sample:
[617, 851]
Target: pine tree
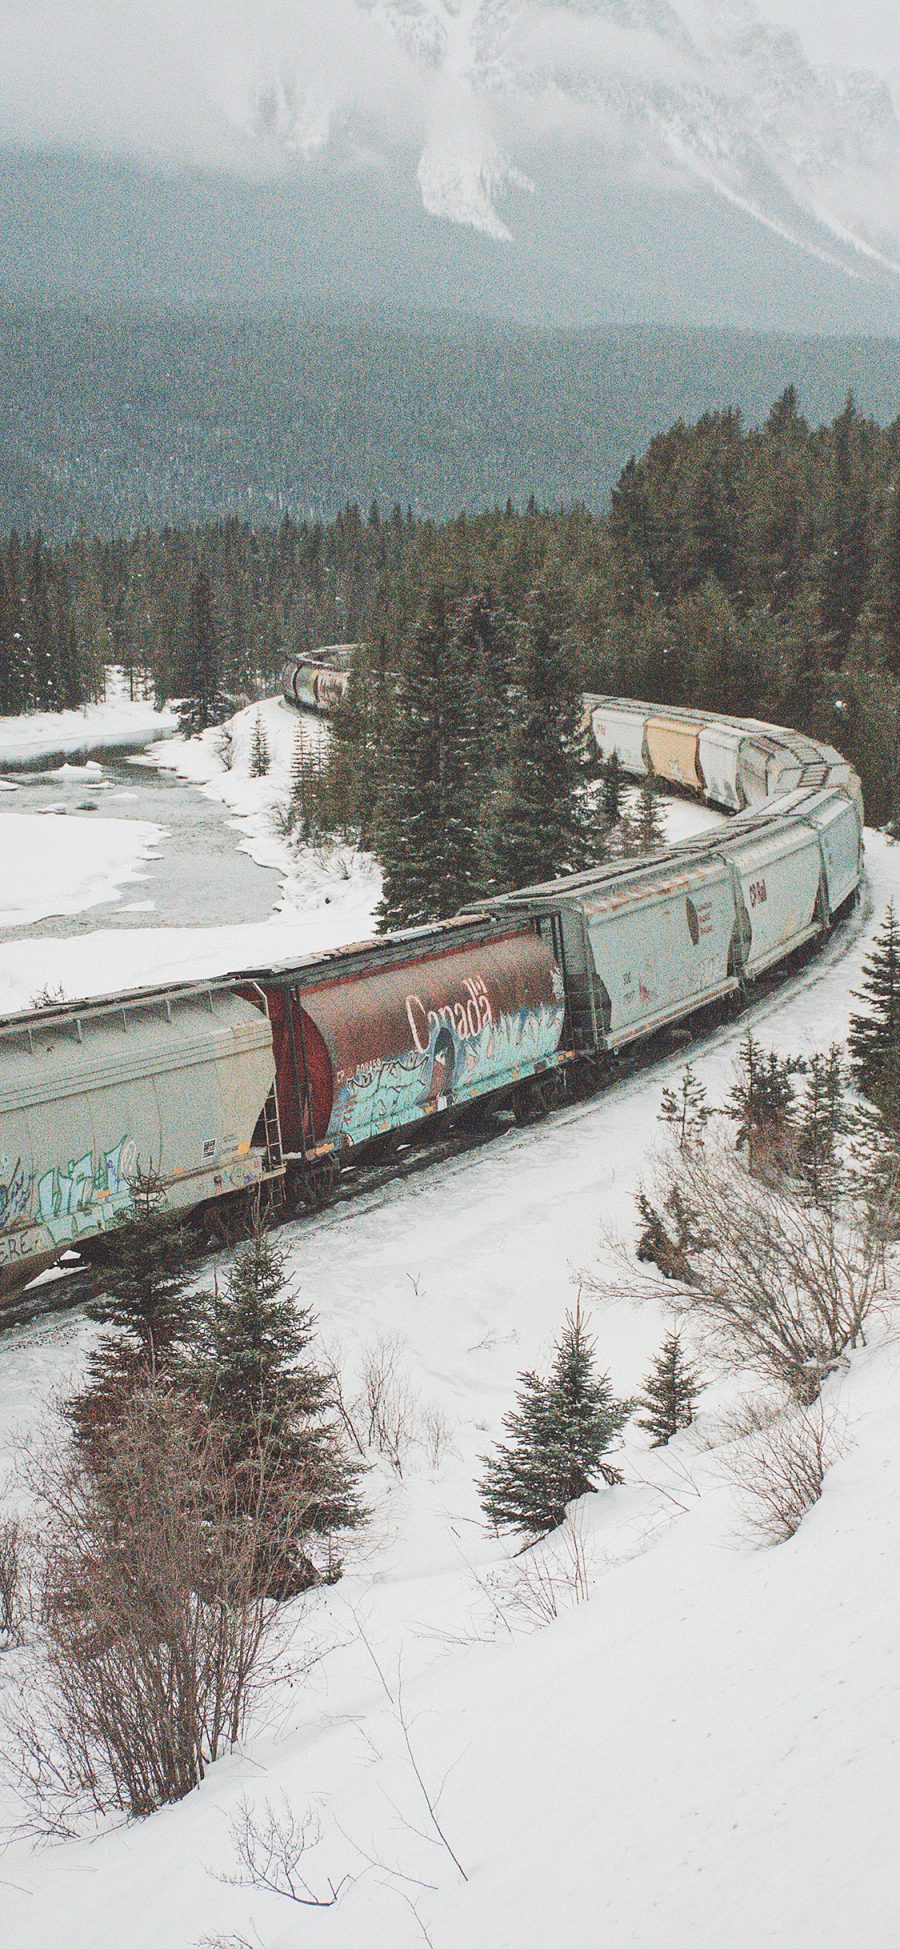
[874, 1038]
[886, 574]
[247, 1359]
[540, 825]
[761, 1101]
[642, 827]
[686, 1110]
[820, 1122]
[612, 790]
[560, 1435]
[428, 837]
[260, 760]
[670, 1392]
[201, 659]
[149, 1271]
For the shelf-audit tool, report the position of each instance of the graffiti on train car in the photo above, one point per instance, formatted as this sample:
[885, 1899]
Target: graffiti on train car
[466, 1053]
[96, 1186]
[15, 1191]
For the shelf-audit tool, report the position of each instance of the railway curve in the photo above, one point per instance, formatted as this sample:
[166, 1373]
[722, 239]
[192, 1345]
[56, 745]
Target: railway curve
[278, 1081]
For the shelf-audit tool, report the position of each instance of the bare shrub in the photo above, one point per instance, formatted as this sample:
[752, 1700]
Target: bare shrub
[271, 1851]
[391, 1406]
[12, 1596]
[435, 1433]
[779, 1468]
[781, 1285]
[155, 1633]
[550, 1577]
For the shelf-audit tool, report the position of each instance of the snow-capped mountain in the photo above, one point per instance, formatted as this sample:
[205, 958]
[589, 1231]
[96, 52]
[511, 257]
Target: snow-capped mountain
[711, 94]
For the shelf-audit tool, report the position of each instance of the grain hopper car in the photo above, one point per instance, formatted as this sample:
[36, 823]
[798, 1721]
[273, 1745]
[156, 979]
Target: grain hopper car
[278, 1077]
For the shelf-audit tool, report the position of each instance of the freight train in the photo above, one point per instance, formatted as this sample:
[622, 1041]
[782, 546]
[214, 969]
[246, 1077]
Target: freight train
[318, 681]
[273, 1081]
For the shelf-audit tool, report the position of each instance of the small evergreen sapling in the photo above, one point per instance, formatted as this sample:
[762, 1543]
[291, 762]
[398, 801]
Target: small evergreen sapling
[821, 1122]
[260, 759]
[686, 1110]
[670, 1392]
[671, 1236]
[761, 1101]
[560, 1434]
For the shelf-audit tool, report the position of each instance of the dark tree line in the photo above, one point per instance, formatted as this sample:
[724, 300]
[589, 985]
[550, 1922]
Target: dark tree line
[748, 570]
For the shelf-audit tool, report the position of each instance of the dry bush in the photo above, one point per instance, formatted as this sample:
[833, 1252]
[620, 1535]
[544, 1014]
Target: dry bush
[12, 1581]
[435, 1434]
[271, 1850]
[782, 1285]
[390, 1404]
[779, 1467]
[548, 1578]
[155, 1633]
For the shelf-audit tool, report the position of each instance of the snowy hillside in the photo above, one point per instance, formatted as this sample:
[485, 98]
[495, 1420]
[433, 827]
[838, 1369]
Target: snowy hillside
[697, 92]
[701, 1753]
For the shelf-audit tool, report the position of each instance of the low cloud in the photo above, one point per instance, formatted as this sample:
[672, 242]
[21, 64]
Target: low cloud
[469, 94]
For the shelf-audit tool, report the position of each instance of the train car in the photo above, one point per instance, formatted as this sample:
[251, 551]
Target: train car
[641, 946]
[173, 1082]
[835, 818]
[673, 750]
[718, 758]
[318, 680]
[276, 1074]
[385, 1036]
[618, 730]
[780, 889]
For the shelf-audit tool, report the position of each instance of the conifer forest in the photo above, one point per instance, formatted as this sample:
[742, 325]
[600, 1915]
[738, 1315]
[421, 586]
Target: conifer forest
[755, 571]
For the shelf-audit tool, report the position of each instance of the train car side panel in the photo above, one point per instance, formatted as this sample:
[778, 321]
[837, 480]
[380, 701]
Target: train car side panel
[672, 747]
[661, 951]
[719, 751]
[87, 1105]
[620, 732]
[404, 1042]
[779, 877]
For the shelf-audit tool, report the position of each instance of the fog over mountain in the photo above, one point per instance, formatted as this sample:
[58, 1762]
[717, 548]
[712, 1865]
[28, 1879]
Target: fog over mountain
[696, 160]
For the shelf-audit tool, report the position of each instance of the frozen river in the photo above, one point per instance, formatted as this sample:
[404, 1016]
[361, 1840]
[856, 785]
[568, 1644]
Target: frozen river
[201, 877]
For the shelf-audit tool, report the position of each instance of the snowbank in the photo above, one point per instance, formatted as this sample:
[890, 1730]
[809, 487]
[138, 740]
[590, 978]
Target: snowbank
[50, 864]
[117, 724]
[314, 878]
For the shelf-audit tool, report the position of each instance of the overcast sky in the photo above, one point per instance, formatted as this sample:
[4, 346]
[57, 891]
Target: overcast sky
[169, 76]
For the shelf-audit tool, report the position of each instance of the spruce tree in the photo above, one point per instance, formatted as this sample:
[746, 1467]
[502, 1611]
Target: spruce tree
[560, 1434]
[201, 659]
[540, 823]
[260, 760]
[761, 1101]
[642, 828]
[820, 1123]
[247, 1359]
[669, 1393]
[148, 1271]
[428, 837]
[686, 1110]
[874, 1038]
[612, 790]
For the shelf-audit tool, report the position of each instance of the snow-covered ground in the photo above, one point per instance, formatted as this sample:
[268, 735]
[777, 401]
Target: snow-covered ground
[331, 890]
[61, 864]
[116, 724]
[703, 1755]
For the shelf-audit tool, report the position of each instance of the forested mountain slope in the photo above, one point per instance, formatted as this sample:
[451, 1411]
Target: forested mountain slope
[112, 421]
